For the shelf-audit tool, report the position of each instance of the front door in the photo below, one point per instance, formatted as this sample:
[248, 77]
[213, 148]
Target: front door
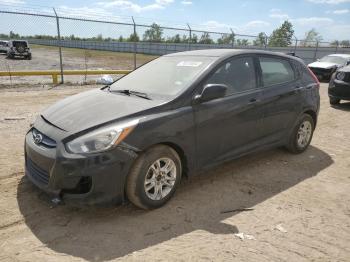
[227, 126]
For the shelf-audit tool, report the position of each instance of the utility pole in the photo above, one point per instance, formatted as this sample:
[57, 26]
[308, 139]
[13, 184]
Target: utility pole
[59, 44]
[190, 36]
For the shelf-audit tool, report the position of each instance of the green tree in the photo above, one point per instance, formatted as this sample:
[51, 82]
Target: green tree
[226, 39]
[260, 39]
[14, 35]
[242, 42]
[133, 38]
[99, 37]
[345, 43]
[335, 43]
[194, 39]
[185, 39]
[206, 39]
[174, 39]
[153, 34]
[311, 38]
[282, 36]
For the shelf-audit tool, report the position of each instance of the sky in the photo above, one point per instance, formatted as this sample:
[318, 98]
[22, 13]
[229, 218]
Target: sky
[331, 18]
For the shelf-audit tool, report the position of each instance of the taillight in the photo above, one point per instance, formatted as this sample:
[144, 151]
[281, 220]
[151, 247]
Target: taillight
[314, 77]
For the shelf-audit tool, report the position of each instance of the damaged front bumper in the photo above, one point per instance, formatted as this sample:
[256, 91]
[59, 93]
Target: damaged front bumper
[78, 179]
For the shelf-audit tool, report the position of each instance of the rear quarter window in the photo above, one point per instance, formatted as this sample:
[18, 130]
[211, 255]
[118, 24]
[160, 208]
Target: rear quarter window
[276, 71]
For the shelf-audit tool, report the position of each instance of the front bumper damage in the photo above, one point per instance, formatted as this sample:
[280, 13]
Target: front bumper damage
[78, 179]
[323, 73]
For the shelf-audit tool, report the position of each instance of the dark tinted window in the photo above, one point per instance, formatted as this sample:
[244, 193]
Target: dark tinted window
[276, 71]
[238, 74]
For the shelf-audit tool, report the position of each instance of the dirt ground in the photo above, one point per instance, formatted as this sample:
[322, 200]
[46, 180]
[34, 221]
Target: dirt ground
[300, 203]
[47, 58]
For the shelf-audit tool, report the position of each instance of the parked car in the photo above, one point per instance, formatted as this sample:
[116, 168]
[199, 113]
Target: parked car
[327, 65]
[177, 115]
[339, 86]
[19, 48]
[3, 46]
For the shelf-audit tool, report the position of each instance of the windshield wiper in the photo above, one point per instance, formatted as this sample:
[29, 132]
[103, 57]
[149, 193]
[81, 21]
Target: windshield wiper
[131, 92]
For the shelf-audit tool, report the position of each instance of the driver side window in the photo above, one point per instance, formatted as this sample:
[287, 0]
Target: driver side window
[238, 74]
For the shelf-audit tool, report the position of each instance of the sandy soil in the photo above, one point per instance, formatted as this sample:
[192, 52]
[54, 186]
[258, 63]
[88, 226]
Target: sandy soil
[47, 58]
[306, 196]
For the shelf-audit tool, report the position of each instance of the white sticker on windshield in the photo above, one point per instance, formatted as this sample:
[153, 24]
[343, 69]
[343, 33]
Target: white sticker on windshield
[189, 63]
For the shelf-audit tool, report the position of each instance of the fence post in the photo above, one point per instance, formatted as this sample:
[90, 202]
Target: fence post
[135, 44]
[190, 36]
[315, 55]
[59, 44]
[233, 38]
[336, 47]
[296, 44]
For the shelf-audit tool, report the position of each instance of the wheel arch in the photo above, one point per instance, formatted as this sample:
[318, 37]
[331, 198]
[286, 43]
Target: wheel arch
[313, 114]
[179, 150]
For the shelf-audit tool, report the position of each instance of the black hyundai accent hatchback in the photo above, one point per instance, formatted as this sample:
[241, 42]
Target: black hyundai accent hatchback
[178, 115]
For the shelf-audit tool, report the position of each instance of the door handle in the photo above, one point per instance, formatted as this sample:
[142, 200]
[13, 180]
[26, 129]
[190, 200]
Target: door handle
[253, 101]
[298, 89]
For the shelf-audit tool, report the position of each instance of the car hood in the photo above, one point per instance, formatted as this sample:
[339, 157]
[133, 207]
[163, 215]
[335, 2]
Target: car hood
[324, 65]
[92, 108]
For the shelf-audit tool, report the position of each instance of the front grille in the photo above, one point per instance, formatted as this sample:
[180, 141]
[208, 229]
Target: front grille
[45, 140]
[37, 173]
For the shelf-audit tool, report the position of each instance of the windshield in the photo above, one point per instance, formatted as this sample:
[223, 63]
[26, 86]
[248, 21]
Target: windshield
[165, 76]
[334, 59]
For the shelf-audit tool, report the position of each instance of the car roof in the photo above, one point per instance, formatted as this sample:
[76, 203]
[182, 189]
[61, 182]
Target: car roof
[223, 53]
[341, 55]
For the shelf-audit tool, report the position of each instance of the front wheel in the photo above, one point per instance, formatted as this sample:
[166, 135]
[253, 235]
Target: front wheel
[154, 177]
[301, 136]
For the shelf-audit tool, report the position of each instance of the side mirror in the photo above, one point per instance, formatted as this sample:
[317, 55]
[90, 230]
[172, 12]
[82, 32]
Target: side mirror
[211, 92]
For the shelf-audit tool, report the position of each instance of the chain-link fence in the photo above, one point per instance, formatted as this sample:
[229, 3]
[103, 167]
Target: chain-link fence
[63, 40]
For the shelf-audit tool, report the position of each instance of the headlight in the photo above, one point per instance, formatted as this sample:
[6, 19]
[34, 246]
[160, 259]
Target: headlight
[340, 76]
[101, 139]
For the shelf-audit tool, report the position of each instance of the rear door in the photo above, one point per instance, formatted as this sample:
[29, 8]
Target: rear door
[227, 126]
[281, 98]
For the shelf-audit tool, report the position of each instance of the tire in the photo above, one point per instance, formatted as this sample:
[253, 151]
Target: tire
[334, 101]
[294, 146]
[144, 169]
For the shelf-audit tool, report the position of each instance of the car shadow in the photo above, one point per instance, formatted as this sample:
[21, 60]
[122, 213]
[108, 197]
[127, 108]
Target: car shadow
[15, 58]
[202, 202]
[344, 106]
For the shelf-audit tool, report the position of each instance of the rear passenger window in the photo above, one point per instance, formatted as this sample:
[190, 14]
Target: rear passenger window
[238, 74]
[275, 71]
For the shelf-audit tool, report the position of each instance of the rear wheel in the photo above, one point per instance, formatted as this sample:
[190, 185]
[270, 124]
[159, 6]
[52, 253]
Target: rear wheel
[334, 101]
[154, 177]
[302, 134]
